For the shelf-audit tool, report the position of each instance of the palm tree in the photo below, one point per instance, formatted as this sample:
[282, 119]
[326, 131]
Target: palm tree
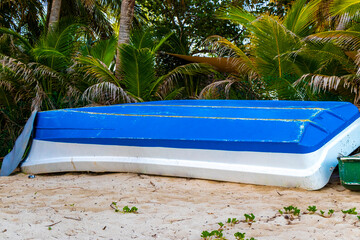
[43, 70]
[37, 75]
[278, 54]
[127, 13]
[55, 13]
[138, 81]
[23, 16]
[264, 68]
[340, 69]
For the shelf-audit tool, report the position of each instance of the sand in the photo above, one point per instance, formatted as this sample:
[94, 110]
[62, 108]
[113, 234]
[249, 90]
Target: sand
[77, 206]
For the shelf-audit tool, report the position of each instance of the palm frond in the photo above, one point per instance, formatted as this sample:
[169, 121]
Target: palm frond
[212, 89]
[176, 93]
[357, 62]
[40, 99]
[166, 83]
[300, 17]
[237, 15]
[23, 40]
[95, 70]
[349, 40]
[138, 70]
[161, 42]
[325, 53]
[63, 39]
[270, 42]
[237, 57]
[51, 57]
[105, 50]
[142, 37]
[107, 93]
[340, 7]
[320, 82]
[31, 72]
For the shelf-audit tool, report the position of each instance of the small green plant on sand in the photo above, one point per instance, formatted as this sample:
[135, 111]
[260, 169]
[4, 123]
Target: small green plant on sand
[232, 221]
[329, 213]
[218, 234]
[249, 218]
[241, 236]
[290, 210]
[350, 211]
[358, 217]
[312, 209]
[221, 225]
[125, 209]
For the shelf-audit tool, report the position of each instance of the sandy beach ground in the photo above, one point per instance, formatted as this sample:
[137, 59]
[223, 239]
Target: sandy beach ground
[77, 206]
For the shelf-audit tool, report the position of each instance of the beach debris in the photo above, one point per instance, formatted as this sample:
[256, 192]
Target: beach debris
[77, 219]
[178, 220]
[152, 184]
[51, 225]
[31, 176]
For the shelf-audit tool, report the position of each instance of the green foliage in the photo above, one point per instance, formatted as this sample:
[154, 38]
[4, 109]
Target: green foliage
[289, 57]
[218, 234]
[312, 209]
[232, 221]
[329, 213]
[139, 81]
[241, 236]
[125, 209]
[180, 16]
[350, 211]
[249, 218]
[291, 210]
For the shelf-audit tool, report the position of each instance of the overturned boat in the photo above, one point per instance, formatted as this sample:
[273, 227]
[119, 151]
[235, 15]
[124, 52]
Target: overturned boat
[282, 143]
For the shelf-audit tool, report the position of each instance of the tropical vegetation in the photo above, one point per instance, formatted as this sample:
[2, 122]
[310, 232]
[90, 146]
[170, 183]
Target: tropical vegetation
[62, 53]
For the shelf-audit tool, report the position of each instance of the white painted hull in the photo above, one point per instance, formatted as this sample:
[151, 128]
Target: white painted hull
[310, 171]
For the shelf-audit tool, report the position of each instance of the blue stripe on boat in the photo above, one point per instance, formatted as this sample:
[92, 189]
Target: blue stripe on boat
[234, 125]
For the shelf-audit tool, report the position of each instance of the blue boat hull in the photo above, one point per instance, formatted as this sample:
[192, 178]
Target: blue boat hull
[284, 143]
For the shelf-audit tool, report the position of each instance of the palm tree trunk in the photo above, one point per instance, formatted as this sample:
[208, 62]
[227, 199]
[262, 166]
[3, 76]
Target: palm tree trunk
[55, 13]
[127, 13]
